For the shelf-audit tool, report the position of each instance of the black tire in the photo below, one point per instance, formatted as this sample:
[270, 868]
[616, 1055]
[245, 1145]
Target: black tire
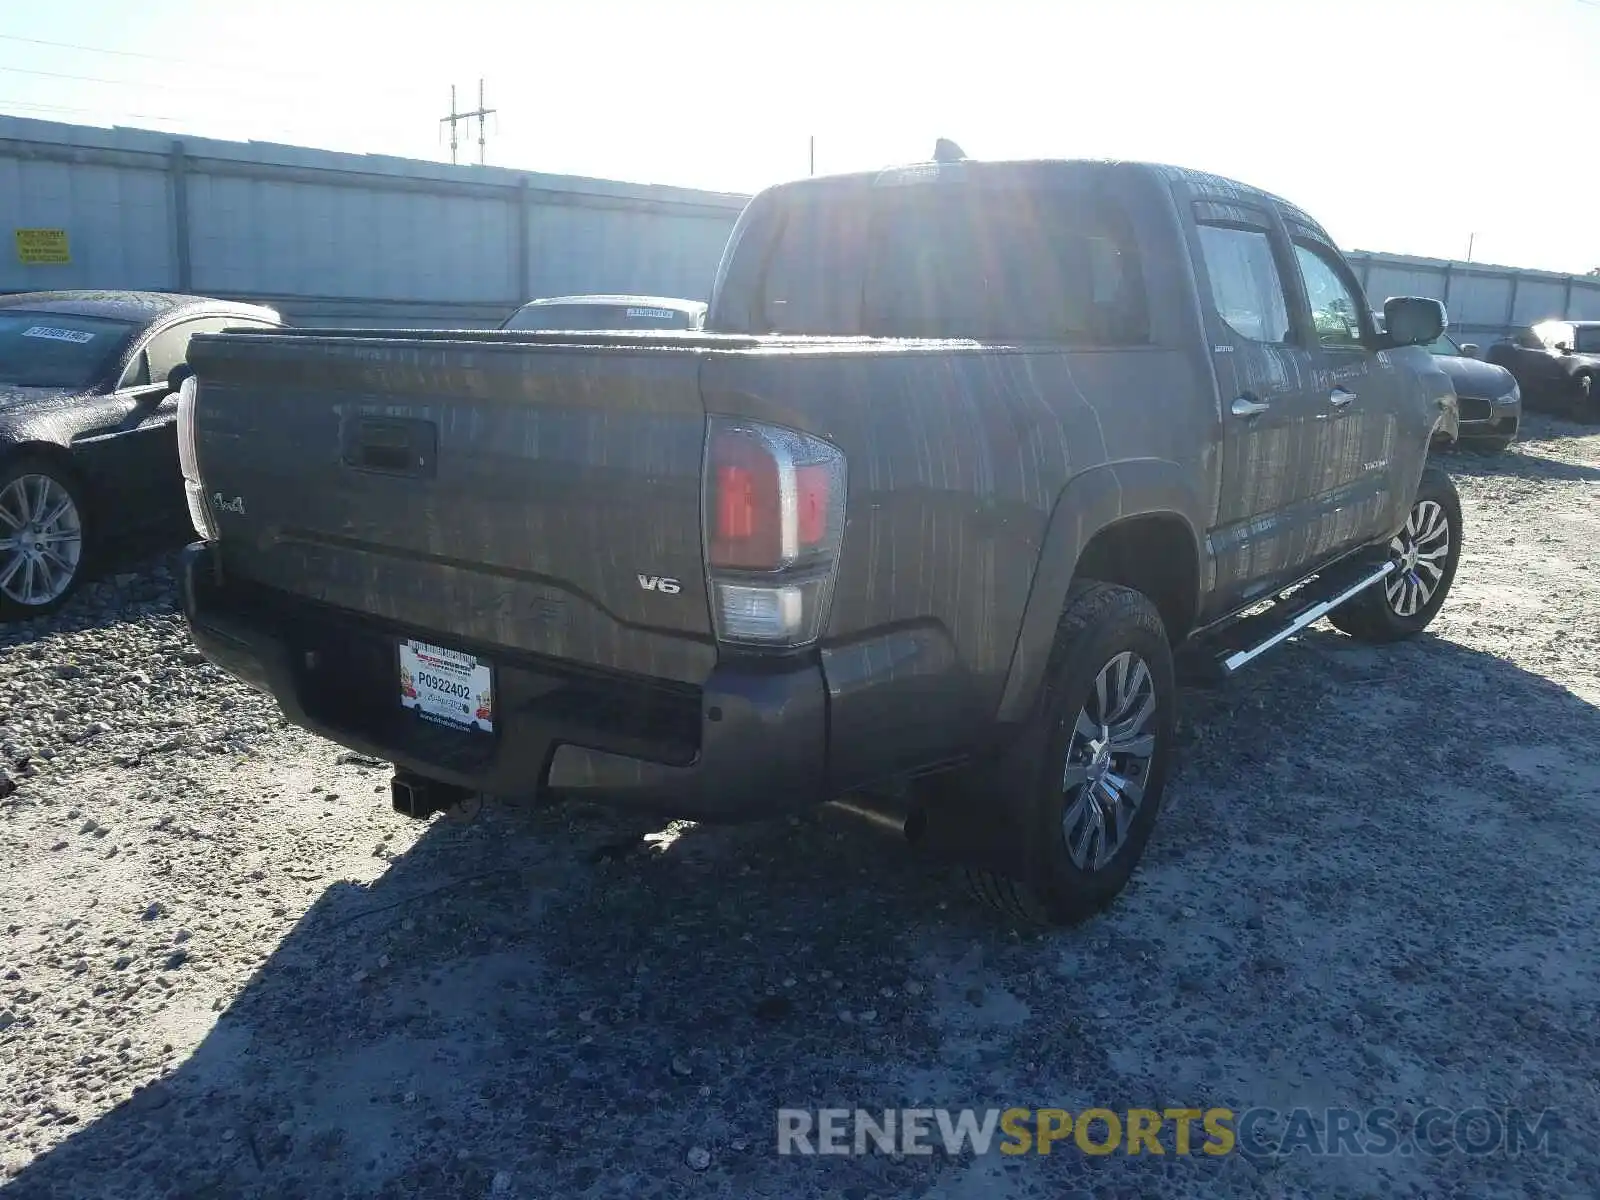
[1099, 624]
[15, 608]
[1377, 614]
[1585, 399]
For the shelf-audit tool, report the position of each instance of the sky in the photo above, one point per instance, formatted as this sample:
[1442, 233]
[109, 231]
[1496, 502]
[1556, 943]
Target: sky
[1408, 126]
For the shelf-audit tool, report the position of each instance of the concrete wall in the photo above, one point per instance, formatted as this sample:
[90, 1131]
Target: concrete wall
[1484, 302]
[341, 239]
[352, 239]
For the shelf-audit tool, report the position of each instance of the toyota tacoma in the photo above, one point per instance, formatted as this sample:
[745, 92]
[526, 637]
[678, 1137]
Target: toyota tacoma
[965, 453]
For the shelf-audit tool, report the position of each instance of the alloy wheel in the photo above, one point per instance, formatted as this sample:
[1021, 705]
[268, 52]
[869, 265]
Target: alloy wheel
[1421, 549]
[41, 540]
[1108, 761]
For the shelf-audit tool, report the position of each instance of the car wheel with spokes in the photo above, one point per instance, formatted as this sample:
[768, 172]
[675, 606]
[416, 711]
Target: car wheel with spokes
[1083, 781]
[43, 541]
[1108, 762]
[1425, 552]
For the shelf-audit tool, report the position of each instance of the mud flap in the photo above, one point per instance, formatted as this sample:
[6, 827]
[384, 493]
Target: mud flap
[979, 815]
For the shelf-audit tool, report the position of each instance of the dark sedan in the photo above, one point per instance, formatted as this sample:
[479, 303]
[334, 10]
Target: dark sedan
[88, 447]
[608, 312]
[1489, 398]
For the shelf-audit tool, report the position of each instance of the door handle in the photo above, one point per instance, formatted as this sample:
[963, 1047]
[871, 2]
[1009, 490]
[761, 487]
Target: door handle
[1246, 406]
[1340, 398]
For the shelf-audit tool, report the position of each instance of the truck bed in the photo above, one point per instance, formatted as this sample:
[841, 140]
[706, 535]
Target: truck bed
[522, 498]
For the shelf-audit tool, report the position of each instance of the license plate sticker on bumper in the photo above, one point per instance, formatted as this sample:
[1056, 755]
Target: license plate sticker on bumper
[447, 686]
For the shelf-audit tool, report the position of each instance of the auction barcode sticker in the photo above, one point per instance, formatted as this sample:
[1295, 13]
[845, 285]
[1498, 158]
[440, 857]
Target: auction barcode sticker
[58, 335]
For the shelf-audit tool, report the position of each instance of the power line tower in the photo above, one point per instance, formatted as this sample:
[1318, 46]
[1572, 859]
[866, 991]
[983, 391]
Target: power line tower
[480, 112]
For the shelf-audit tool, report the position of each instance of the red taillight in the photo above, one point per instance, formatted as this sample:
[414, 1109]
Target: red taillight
[748, 532]
[774, 515]
[813, 486]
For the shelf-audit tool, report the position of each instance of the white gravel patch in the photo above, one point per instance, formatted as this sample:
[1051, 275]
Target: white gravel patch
[228, 969]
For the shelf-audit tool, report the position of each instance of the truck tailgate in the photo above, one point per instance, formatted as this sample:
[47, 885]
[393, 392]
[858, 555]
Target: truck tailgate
[539, 497]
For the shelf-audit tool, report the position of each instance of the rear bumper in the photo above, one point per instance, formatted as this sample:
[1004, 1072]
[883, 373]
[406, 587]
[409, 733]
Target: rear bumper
[749, 742]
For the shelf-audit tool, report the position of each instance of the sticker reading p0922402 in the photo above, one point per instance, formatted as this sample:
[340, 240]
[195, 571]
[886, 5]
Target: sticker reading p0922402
[447, 686]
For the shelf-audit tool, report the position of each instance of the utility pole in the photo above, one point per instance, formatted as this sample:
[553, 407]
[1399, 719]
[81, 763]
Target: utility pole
[480, 112]
[1471, 237]
[452, 118]
[813, 154]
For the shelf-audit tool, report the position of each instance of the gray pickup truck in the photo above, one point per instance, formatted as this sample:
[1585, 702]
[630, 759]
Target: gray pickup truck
[964, 454]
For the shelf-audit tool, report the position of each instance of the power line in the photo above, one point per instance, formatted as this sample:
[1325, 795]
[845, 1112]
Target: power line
[12, 37]
[76, 108]
[245, 127]
[253, 96]
[208, 64]
[259, 99]
[137, 83]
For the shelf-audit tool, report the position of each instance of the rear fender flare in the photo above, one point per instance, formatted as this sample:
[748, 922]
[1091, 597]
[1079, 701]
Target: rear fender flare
[1089, 503]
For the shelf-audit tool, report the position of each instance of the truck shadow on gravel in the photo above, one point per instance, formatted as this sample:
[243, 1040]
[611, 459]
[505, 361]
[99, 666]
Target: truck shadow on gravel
[1516, 463]
[1527, 459]
[537, 1001]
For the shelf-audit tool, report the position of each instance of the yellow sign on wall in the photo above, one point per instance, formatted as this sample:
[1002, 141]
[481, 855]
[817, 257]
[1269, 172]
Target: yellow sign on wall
[43, 246]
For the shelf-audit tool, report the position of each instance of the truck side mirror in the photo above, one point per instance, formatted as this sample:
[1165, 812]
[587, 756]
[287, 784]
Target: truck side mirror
[1471, 349]
[1412, 320]
[1564, 347]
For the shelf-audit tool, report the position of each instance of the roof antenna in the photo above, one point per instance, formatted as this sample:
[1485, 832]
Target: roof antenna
[944, 150]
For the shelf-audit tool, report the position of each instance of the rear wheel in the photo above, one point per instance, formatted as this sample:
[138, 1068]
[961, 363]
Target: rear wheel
[42, 538]
[1084, 779]
[1425, 551]
[1585, 398]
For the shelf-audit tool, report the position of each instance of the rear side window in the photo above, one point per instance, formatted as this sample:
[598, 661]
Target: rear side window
[1245, 284]
[1000, 264]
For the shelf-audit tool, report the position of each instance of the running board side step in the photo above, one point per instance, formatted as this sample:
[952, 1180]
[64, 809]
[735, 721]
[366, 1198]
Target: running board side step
[1305, 617]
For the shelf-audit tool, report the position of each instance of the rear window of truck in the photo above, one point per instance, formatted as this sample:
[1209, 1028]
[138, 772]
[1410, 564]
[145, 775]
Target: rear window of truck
[811, 283]
[1002, 264]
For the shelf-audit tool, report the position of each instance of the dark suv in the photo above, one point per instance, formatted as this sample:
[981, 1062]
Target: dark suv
[1556, 364]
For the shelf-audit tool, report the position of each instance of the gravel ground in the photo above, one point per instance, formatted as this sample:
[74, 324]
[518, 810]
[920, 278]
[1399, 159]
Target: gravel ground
[227, 969]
